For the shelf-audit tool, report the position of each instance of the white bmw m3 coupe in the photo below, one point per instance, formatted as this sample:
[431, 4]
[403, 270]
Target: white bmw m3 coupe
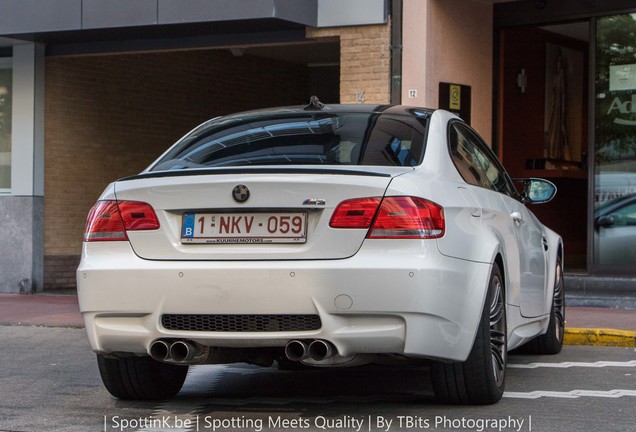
[326, 235]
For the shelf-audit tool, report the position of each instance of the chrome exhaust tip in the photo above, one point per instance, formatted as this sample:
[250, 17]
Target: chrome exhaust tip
[296, 350]
[160, 350]
[321, 350]
[182, 351]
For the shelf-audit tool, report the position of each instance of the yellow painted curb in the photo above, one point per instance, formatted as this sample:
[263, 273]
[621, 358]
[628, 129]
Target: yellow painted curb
[600, 337]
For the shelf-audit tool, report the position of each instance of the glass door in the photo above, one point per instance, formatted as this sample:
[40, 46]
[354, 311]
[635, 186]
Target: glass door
[614, 231]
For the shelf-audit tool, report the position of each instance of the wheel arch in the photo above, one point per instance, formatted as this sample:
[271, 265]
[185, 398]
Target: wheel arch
[555, 243]
[499, 260]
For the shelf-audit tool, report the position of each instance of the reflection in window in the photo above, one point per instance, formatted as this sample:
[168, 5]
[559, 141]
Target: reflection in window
[301, 139]
[615, 141]
[475, 163]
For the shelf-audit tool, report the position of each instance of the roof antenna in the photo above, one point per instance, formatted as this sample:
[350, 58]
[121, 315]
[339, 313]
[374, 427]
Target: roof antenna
[314, 104]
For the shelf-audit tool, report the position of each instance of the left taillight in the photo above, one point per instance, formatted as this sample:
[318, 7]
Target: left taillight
[109, 220]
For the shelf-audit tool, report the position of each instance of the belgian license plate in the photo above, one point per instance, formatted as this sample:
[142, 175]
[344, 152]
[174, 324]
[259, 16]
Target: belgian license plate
[244, 228]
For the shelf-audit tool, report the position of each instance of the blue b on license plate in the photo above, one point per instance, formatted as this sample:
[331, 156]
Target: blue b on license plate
[244, 228]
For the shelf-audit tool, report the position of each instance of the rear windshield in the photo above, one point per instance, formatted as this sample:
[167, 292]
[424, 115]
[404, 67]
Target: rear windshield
[301, 139]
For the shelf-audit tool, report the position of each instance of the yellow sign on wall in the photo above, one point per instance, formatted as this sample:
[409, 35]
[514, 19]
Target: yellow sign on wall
[455, 97]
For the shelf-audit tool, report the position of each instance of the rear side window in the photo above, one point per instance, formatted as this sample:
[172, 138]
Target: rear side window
[301, 139]
[475, 161]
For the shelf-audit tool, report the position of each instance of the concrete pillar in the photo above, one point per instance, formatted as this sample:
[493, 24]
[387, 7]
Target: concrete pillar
[22, 209]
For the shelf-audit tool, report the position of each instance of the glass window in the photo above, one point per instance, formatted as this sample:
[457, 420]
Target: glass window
[475, 161]
[300, 139]
[615, 141]
[615, 232]
[6, 79]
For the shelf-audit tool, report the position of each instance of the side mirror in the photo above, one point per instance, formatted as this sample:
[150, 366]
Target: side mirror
[538, 191]
[607, 221]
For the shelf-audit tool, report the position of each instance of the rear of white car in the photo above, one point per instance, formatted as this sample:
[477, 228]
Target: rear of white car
[312, 255]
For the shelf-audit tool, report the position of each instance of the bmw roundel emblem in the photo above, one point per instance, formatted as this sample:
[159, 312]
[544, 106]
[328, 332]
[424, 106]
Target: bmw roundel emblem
[240, 193]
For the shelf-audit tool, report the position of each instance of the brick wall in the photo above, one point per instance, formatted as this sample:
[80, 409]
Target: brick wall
[110, 116]
[365, 61]
[59, 271]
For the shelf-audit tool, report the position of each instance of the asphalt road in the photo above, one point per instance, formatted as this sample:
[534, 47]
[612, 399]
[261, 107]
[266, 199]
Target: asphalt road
[49, 382]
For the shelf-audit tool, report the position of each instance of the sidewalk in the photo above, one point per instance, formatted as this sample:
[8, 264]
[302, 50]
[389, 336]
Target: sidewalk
[584, 325]
[48, 310]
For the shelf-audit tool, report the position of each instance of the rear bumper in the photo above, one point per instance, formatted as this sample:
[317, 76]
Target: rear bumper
[382, 300]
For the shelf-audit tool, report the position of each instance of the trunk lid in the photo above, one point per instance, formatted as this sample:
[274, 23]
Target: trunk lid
[285, 217]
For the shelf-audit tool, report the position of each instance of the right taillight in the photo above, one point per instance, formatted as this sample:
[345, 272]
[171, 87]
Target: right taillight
[109, 220]
[401, 217]
[408, 217]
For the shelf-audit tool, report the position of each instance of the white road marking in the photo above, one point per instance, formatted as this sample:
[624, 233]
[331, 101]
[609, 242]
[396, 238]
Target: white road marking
[565, 365]
[574, 394]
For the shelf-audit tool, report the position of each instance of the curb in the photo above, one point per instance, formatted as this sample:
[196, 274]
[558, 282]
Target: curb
[600, 337]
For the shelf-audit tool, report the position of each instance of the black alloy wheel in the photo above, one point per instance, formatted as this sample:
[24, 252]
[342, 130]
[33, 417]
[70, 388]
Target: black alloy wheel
[481, 378]
[552, 341]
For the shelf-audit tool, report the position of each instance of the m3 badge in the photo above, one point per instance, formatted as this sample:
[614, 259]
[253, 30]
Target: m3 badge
[314, 202]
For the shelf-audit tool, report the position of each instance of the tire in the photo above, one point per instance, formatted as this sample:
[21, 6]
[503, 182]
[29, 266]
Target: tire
[552, 341]
[479, 380]
[140, 378]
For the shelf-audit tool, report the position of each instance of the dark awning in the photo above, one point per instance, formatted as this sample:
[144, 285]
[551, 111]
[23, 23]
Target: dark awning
[76, 26]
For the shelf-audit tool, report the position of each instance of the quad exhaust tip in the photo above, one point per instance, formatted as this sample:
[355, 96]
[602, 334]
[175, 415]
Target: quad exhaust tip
[178, 351]
[188, 352]
[317, 350]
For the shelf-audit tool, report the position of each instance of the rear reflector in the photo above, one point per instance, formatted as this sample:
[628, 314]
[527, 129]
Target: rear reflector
[109, 220]
[392, 217]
